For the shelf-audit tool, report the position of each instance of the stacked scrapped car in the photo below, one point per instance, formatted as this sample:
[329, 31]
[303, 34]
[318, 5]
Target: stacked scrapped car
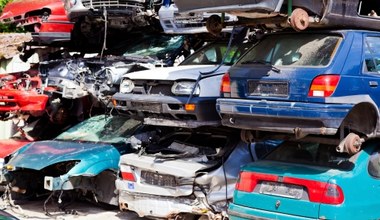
[179, 96]
[184, 172]
[298, 14]
[189, 23]
[94, 17]
[309, 180]
[21, 94]
[46, 19]
[307, 84]
[84, 158]
[75, 84]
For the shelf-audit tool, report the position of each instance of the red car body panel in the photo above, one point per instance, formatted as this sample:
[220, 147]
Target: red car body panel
[22, 92]
[50, 26]
[8, 146]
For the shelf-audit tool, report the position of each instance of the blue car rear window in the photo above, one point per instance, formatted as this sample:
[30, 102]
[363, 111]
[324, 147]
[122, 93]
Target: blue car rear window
[293, 50]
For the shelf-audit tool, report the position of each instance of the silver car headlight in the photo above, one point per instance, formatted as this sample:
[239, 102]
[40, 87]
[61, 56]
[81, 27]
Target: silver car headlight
[126, 86]
[185, 88]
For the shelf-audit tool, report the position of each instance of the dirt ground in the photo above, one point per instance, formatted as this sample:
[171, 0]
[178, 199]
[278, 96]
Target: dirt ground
[77, 210]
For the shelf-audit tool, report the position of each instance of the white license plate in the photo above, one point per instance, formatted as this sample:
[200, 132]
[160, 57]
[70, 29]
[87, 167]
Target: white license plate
[281, 189]
[2, 103]
[158, 179]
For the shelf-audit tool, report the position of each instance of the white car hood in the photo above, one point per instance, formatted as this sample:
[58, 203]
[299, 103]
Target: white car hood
[174, 73]
[186, 168]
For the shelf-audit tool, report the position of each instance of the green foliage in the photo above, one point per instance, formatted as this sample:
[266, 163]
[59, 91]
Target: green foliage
[6, 28]
[10, 28]
[3, 3]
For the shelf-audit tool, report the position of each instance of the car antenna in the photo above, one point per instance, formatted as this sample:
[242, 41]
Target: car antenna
[104, 47]
[233, 32]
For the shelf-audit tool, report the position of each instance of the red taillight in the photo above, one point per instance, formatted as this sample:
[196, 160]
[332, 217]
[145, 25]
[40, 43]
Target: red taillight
[333, 194]
[128, 176]
[319, 192]
[225, 87]
[324, 85]
[248, 180]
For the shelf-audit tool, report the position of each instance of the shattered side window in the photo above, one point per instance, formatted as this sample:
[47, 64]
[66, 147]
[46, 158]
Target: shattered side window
[213, 54]
[369, 8]
[371, 54]
[374, 164]
[294, 50]
[106, 129]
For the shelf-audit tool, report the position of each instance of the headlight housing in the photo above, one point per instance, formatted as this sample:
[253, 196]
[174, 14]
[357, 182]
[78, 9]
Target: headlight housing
[185, 88]
[126, 86]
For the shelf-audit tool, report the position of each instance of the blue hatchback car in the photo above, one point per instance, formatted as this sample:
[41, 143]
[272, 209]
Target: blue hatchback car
[308, 180]
[322, 82]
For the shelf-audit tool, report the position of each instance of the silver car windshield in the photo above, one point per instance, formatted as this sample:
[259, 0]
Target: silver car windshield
[293, 50]
[103, 128]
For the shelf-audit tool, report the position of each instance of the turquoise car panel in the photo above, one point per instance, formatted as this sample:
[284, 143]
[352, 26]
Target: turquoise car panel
[237, 212]
[93, 157]
[361, 193]
[289, 206]
[360, 190]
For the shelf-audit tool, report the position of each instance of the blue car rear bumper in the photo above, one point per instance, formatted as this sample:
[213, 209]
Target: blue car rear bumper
[313, 118]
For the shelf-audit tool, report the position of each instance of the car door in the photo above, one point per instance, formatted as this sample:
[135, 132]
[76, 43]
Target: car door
[371, 66]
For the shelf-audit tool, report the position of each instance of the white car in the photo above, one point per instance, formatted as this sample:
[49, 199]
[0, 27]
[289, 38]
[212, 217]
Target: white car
[182, 96]
[185, 172]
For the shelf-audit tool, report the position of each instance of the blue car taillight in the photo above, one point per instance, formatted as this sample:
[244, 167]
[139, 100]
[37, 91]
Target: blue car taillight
[225, 87]
[319, 192]
[323, 85]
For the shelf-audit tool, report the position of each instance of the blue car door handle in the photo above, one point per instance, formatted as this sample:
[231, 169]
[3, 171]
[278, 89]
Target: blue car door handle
[373, 84]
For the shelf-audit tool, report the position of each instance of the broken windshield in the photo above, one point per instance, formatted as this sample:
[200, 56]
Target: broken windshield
[291, 50]
[161, 47]
[214, 53]
[103, 128]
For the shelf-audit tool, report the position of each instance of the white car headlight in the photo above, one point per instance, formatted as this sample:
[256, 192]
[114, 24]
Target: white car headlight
[185, 88]
[126, 86]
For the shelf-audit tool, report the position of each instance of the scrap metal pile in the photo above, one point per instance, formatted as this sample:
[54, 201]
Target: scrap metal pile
[195, 109]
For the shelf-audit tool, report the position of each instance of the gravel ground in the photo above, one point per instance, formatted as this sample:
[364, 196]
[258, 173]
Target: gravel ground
[9, 42]
[77, 211]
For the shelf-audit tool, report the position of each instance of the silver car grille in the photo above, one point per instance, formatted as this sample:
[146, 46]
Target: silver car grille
[153, 87]
[111, 3]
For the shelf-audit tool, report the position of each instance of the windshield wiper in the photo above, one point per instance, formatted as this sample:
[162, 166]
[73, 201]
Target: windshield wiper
[264, 62]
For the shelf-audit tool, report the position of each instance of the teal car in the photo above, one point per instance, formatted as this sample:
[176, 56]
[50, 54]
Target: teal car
[84, 160]
[303, 180]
